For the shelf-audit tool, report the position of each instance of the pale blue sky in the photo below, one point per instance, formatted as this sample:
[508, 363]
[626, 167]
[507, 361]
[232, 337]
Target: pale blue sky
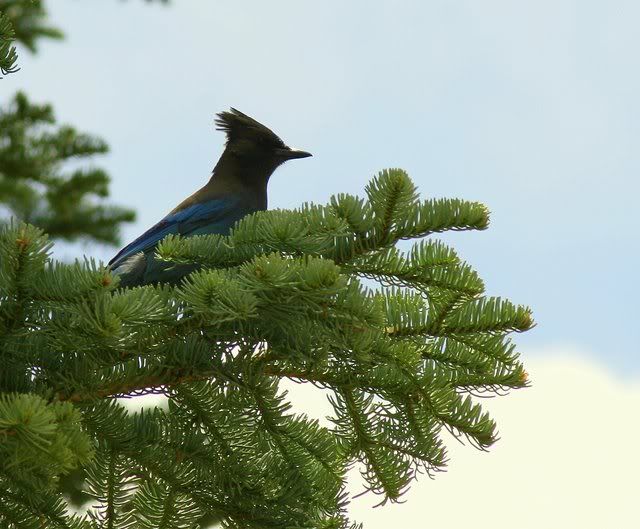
[528, 106]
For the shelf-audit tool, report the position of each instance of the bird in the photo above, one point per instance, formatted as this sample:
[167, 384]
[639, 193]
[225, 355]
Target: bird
[237, 187]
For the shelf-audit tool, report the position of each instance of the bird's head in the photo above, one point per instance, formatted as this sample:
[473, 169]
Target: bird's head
[254, 146]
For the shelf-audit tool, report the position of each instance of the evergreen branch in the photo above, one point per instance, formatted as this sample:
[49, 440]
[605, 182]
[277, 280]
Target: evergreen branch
[466, 361]
[41, 510]
[175, 378]
[8, 54]
[408, 317]
[488, 315]
[390, 193]
[159, 506]
[495, 347]
[196, 404]
[163, 380]
[150, 465]
[514, 377]
[425, 431]
[19, 291]
[438, 215]
[33, 187]
[385, 473]
[334, 231]
[13, 514]
[429, 266]
[28, 18]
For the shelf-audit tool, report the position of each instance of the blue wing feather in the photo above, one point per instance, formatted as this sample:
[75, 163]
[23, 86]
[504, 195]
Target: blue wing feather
[212, 216]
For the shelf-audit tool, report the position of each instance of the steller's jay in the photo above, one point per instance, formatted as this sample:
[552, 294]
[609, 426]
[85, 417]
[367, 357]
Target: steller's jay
[238, 186]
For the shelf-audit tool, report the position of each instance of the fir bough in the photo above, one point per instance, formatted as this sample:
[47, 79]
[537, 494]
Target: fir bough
[281, 297]
[8, 54]
[29, 21]
[34, 186]
[25, 21]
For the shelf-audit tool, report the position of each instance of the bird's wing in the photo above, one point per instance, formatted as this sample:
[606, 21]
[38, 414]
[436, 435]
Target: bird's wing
[217, 216]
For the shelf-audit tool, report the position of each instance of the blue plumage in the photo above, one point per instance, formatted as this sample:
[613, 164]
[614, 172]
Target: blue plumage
[213, 216]
[237, 187]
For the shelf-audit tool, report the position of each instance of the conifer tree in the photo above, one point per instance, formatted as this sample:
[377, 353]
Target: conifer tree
[282, 297]
[33, 150]
[35, 189]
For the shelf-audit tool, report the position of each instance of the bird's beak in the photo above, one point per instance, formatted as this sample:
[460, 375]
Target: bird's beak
[290, 154]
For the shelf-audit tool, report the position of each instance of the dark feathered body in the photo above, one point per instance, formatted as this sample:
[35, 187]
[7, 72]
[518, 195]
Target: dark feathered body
[238, 186]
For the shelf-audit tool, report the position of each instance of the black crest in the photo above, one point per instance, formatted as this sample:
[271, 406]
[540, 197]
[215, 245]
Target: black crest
[237, 125]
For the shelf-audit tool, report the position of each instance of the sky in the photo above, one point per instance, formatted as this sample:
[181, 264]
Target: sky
[530, 107]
